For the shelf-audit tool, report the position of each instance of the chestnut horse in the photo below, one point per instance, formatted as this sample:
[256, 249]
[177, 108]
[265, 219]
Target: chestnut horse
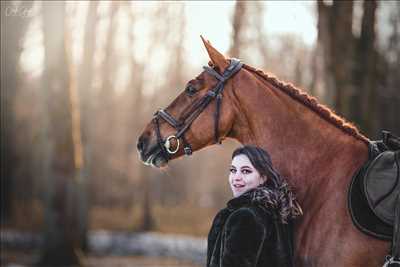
[315, 149]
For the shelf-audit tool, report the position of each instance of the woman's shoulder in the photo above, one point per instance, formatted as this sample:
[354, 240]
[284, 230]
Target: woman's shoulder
[221, 216]
[250, 214]
[222, 213]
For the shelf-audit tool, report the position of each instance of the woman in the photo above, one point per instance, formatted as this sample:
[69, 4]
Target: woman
[255, 229]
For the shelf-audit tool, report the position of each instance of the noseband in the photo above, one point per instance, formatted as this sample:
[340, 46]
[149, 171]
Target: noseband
[182, 125]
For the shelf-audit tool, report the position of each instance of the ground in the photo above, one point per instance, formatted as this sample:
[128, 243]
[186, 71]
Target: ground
[18, 258]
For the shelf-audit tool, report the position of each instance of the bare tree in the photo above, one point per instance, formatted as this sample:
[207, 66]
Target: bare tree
[136, 110]
[388, 63]
[65, 159]
[13, 29]
[86, 108]
[349, 61]
[108, 71]
[238, 24]
[261, 36]
[335, 35]
[104, 110]
[365, 74]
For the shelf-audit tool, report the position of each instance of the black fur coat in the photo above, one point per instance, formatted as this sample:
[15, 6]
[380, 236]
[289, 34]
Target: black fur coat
[247, 234]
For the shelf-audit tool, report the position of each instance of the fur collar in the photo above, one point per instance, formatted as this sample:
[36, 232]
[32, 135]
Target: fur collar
[280, 202]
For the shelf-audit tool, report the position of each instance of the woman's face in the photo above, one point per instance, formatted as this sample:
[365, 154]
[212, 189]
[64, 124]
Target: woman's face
[243, 176]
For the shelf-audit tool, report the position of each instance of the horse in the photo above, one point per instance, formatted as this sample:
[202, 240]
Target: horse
[317, 150]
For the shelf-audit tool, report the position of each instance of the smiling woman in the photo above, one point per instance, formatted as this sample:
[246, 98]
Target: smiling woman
[255, 229]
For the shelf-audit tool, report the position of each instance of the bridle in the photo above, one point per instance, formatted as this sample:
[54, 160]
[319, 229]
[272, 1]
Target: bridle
[182, 125]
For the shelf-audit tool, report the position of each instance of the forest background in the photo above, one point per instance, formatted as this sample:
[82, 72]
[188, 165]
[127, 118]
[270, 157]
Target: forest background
[80, 80]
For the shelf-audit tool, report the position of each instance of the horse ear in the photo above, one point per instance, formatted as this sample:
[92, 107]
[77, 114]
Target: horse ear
[216, 57]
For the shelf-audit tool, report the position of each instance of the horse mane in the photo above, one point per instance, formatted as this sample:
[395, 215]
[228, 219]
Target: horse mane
[312, 103]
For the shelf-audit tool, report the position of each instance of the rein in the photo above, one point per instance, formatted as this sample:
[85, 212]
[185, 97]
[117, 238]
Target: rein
[183, 124]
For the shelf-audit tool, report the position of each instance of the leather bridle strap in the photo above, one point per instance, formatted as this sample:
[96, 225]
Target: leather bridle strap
[183, 125]
[159, 138]
[234, 67]
[216, 118]
[165, 115]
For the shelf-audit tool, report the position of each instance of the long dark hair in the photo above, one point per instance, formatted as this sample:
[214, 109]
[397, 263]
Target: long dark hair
[274, 192]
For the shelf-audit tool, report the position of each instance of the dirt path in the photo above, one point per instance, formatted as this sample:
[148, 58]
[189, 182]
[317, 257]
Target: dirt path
[13, 258]
[137, 262]
[110, 249]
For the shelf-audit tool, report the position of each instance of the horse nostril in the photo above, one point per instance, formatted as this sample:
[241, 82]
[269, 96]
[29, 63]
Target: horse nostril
[142, 143]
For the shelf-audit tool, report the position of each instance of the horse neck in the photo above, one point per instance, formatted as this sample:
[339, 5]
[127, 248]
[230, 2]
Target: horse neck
[304, 147]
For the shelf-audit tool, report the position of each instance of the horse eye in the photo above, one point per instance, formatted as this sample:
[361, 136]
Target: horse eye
[190, 90]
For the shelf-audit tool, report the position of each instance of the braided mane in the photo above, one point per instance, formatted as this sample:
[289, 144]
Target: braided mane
[311, 102]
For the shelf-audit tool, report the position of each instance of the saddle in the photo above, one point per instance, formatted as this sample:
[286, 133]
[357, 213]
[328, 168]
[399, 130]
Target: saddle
[374, 193]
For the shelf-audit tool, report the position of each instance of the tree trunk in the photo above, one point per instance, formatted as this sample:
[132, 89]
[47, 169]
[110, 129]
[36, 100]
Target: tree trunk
[135, 109]
[261, 37]
[335, 35]
[13, 29]
[108, 69]
[105, 108]
[389, 96]
[148, 222]
[238, 23]
[365, 72]
[350, 62]
[65, 160]
[86, 107]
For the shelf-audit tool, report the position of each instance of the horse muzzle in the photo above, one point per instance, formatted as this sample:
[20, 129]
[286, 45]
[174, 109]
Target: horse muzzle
[152, 154]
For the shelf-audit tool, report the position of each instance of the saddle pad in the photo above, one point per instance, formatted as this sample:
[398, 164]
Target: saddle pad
[361, 213]
[382, 185]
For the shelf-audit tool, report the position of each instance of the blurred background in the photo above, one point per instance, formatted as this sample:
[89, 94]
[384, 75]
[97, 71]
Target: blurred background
[80, 80]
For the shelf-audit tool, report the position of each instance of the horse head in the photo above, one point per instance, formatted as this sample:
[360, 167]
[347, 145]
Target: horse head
[197, 117]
